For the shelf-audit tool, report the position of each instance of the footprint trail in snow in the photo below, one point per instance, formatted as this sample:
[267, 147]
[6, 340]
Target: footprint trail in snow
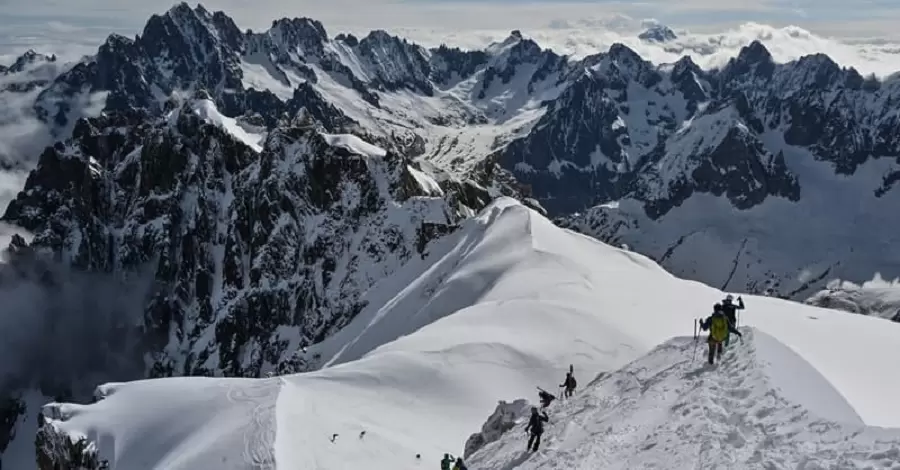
[761, 407]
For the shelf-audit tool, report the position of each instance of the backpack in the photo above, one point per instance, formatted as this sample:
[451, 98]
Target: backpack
[572, 382]
[718, 328]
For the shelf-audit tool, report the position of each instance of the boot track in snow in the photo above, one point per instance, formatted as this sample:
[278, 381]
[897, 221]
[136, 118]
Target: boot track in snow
[663, 412]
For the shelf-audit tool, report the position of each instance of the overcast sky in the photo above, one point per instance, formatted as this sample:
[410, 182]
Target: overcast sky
[79, 25]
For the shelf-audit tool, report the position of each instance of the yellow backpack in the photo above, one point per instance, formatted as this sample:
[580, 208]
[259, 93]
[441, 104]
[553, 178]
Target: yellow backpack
[718, 328]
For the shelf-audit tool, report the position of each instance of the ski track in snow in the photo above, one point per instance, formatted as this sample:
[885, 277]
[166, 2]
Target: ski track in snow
[259, 434]
[670, 409]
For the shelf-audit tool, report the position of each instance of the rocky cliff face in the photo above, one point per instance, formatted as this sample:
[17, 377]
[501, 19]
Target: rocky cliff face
[238, 169]
[243, 243]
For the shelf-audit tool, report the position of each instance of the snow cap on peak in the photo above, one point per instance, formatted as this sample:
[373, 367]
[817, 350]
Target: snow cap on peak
[515, 37]
[658, 33]
[182, 9]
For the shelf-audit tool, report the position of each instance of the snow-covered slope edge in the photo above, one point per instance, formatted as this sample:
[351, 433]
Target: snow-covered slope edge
[503, 304]
[761, 407]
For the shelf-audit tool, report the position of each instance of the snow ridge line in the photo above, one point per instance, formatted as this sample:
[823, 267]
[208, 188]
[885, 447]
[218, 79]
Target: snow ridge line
[669, 409]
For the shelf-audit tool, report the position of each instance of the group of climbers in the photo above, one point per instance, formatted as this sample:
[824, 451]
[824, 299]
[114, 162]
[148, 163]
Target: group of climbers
[535, 427]
[448, 460]
[721, 324]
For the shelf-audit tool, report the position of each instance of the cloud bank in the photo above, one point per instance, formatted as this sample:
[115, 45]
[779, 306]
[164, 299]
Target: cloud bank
[65, 330]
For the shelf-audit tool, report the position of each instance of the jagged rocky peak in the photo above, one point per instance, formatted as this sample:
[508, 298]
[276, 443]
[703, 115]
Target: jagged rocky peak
[658, 33]
[820, 71]
[348, 39]
[621, 65]
[182, 27]
[685, 65]
[309, 211]
[690, 79]
[30, 57]
[753, 61]
[453, 63]
[754, 53]
[515, 40]
[306, 33]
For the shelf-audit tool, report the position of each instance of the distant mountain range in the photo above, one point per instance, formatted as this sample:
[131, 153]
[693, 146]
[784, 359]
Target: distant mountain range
[270, 179]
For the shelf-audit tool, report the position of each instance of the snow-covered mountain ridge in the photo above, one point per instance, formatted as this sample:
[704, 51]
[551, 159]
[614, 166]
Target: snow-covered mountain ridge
[239, 168]
[258, 243]
[797, 139]
[477, 321]
[665, 410]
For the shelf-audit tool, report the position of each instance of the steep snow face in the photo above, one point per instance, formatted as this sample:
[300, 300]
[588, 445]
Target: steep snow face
[762, 406]
[494, 309]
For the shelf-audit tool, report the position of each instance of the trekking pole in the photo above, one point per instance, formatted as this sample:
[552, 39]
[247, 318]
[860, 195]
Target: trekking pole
[696, 342]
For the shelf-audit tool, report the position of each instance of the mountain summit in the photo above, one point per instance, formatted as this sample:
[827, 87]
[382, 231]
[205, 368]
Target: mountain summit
[271, 182]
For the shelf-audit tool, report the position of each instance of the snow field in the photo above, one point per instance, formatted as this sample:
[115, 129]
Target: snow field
[505, 304]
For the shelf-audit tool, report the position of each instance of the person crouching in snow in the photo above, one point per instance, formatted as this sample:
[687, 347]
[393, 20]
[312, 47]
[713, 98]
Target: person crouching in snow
[719, 327]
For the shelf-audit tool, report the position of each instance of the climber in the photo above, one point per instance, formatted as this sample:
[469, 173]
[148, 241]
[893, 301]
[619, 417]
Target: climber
[459, 464]
[569, 384]
[445, 462]
[719, 327]
[731, 312]
[535, 428]
[546, 397]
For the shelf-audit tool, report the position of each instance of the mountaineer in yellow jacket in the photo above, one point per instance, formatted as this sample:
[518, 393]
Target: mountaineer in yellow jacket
[719, 327]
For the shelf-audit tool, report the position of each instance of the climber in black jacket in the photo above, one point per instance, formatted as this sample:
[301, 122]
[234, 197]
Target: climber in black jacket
[730, 310]
[535, 428]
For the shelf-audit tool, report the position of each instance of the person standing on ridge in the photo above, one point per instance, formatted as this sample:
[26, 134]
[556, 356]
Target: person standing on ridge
[459, 464]
[445, 462]
[569, 384]
[535, 428]
[731, 312]
[719, 327]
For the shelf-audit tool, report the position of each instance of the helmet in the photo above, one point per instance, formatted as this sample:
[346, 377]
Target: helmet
[717, 307]
[729, 298]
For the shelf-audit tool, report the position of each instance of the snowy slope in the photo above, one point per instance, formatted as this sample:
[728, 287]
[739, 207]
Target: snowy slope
[502, 305]
[761, 407]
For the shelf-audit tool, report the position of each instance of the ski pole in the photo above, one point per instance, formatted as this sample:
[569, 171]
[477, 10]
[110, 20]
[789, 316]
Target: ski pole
[696, 341]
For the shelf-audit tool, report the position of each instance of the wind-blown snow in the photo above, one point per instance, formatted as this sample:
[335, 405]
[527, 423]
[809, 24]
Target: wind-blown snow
[504, 304]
